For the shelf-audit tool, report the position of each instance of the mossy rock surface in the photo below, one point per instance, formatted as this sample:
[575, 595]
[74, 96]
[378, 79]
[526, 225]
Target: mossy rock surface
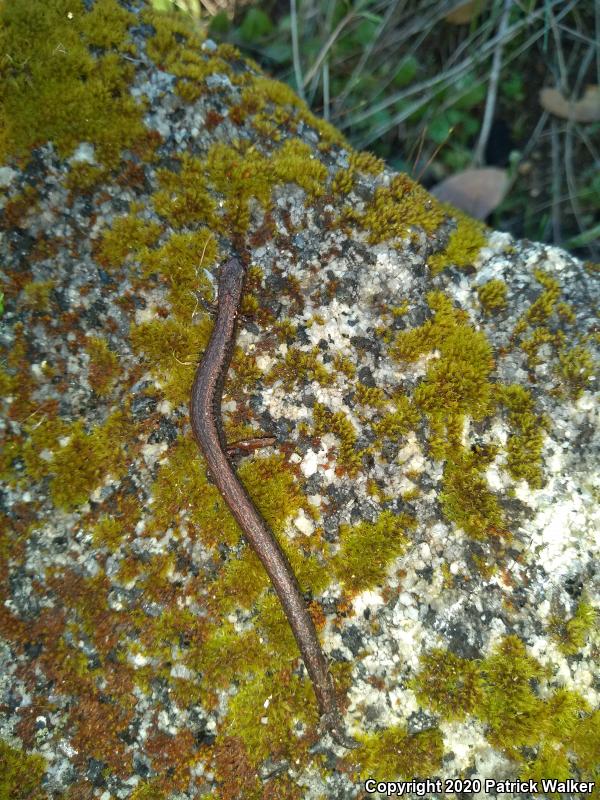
[431, 387]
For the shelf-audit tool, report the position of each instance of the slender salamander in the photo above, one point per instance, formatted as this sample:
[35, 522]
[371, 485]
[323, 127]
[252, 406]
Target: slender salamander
[205, 415]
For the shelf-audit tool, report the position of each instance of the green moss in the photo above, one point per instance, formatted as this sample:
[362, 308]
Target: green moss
[48, 64]
[575, 369]
[108, 532]
[147, 790]
[466, 498]
[571, 635]
[509, 707]
[396, 209]
[128, 235]
[86, 460]
[545, 304]
[263, 713]
[397, 423]
[492, 295]
[448, 684]
[83, 177]
[37, 294]
[524, 446]
[300, 366]
[172, 348]
[396, 753]
[104, 366]
[337, 423]
[265, 92]
[464, 244]
[20, 774]
[367, 549]
[183, 197]
[296, 163]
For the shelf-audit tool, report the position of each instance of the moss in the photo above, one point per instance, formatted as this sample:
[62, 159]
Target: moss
[464, 244]
[509, 707]
[128, 235]
[397, 423]
[541, 309]
[42, 440]
[396, 209]
[458, 382]
[295, 162]
[183, 197]
[265, 92]
[86, 460]
[394, 753]
[171, 348]
[48, 64]
[371, 396]
[571, 634]
[83, 177]
[181, 260]
[492, 295]
[300, 366]
[263, 715]
[337, 423]
[466, 498]
[367, 549]
[104, 366]
[524, 446]
[108, 532]
[20, 774]
[448, 684]
[575, 369]
[37, 294]
[147, 790]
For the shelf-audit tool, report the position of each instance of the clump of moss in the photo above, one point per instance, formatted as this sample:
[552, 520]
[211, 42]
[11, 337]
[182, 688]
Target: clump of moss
[88, 92]
[571, 635]
[397, 423]
[575, 369]
[262, 714]
[524, 446]
[298, 366]
[336, 422]
[264, 91]
[104, 366]
[83, 176]
[367, 549]
[448, 684]
[37, 294]
[464, 244]
[394, 752]
[183, 197]
[458, 382]
[492, 295]
[171, 348]
[128, 235]
[21, 774]
[466, 498]
[396, 209]
[87, 459]
[509, 706]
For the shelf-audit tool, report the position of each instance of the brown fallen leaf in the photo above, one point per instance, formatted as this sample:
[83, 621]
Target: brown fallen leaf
[585, 110]
[475, 191]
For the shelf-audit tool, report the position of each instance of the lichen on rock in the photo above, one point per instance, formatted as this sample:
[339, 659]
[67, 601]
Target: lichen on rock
[430, 385]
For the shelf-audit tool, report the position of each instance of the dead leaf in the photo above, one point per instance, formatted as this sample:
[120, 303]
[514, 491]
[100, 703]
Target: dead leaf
[464, 13]
[475, 191]
[585, 110]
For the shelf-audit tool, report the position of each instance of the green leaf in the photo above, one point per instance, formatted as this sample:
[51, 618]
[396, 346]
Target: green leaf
[256, 25]
[406, 71]
[219, 24]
